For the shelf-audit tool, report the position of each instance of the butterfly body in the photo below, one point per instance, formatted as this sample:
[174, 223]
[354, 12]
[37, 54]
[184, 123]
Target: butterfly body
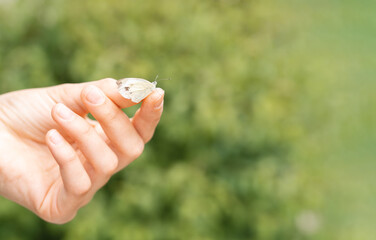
[135, 89]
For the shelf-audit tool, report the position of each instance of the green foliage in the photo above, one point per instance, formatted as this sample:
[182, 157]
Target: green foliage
[231, 158]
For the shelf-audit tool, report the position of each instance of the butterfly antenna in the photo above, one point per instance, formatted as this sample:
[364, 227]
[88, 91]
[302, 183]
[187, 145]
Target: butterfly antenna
[163, 79]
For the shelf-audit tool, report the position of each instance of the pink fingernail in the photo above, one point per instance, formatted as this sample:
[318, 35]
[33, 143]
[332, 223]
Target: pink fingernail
[55, 137]
[159, 103]
[64, 112]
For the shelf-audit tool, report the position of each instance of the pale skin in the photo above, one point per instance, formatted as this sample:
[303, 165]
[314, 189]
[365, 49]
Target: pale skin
[54, 159]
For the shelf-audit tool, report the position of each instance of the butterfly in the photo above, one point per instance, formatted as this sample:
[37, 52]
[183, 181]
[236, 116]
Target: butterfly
[135, 89]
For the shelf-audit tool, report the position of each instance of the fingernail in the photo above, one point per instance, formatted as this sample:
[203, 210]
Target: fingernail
[94, 95]
[55, 137]
[64, 112]
[159, 103]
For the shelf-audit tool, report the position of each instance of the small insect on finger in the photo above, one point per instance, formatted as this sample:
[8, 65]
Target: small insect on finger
[135, 89]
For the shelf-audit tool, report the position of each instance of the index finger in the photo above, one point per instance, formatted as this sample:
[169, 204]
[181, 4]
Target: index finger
[70, 94]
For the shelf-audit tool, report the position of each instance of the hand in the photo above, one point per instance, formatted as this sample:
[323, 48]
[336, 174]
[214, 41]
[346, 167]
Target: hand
[53, 158]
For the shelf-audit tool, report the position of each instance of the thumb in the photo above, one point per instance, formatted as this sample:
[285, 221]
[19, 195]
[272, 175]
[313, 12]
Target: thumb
[70, 94]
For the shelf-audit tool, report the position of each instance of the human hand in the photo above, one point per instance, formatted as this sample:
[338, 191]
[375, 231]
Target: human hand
[54, 158]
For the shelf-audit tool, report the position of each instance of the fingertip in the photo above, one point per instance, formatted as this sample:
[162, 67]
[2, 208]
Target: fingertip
[159, 91]
[54, 137]
[159, 99]
[155, 100]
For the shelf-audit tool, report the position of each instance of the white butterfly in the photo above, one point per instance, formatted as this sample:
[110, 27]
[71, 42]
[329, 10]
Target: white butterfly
[135, 89]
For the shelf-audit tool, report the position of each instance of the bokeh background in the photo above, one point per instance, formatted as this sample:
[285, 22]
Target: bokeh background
[268, 130]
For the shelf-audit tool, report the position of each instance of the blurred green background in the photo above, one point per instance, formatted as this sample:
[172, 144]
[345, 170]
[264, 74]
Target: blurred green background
[268, 130]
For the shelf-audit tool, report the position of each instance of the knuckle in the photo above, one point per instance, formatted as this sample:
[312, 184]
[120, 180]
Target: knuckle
[82, 189]
[136, 151]
[67, 89]
[110, 165]
[86, 130]
[155, 118]
[70, 157]
[107, 113]
[110, 115]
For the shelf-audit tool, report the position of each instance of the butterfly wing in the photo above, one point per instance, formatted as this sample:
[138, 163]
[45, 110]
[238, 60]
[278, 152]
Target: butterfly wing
[124, 92]
[135, 89]
[138, 96]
